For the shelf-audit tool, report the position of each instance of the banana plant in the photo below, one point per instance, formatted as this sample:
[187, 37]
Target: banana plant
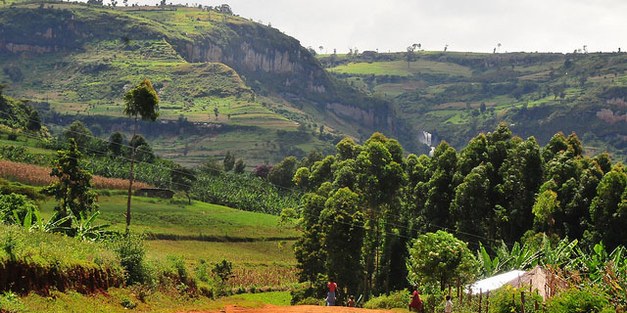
[33, 221]
[488, 266]
[85, 228]
[561, 255]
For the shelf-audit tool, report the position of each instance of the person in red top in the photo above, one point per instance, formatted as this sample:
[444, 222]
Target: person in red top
[416, 303]
[332, 286]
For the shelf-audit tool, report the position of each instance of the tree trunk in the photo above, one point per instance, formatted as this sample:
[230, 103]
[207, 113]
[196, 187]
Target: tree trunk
[130, 179]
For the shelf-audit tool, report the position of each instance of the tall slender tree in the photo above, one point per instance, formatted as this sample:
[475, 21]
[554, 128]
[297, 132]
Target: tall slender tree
[142, 102]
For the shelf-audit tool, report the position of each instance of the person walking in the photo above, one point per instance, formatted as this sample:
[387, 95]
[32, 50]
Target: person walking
[448, 306]
[416, 302]
[332, 287]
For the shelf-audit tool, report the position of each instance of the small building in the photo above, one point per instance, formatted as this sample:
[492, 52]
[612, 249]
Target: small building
[546, 283]
[155, 193]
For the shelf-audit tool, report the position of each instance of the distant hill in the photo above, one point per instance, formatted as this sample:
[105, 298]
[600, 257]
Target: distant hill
[225, 82]
[455, 95]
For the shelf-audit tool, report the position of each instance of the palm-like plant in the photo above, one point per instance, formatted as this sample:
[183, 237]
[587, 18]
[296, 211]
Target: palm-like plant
[139, 102]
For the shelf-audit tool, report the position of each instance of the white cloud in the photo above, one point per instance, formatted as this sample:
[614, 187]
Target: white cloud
[477, 25]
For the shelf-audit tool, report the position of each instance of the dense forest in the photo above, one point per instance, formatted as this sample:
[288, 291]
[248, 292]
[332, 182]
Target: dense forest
[365, 204]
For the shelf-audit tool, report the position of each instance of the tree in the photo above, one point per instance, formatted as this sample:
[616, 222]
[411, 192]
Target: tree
[73, 187]
[116, 144]
[34, 121]
[471, 206]
[262, 170]
[440, 259]
[182, 180]
[308, 248]
[343, 228]
[410, 55]
[142, 102]
[240, 166]
[281, 174]
[609, 208]
[143, 151]
[229, 161]
[78, 132]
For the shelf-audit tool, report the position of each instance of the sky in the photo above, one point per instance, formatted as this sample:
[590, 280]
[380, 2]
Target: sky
[463, 25]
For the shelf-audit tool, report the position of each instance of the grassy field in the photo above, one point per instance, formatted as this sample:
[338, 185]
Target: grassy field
[260, 251]
[176, 219]
[401, 68]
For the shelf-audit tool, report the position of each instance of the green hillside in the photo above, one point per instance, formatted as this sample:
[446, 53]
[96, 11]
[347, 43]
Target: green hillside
[456, 95]
[240, 85]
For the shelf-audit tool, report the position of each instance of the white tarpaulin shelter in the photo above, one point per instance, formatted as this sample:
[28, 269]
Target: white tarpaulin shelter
[544, 282]
[495, 282]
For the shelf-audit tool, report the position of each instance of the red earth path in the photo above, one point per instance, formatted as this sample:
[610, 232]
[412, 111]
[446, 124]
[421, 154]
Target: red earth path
[293, 309]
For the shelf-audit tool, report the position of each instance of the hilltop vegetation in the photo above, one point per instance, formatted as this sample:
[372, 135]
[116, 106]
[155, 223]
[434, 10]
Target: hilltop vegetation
[233, 81]
[456, 95]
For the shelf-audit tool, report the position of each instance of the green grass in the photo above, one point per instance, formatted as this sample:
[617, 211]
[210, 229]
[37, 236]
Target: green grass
[274, 298]
[215, 222]
[400, 68]
[53, 250]
[240, 253]
[159, 302]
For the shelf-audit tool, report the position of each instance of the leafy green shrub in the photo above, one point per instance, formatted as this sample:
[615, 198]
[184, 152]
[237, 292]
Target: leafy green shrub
[508, 300]
[9, 246]
[10, 303]
[7, 187]
[309, 295]
[310, 301]
[398, 299]
[202, 273]
[179, 266]
[132, 255]
[589, 300]
[14, 207]
[128, 303]
[224, 270]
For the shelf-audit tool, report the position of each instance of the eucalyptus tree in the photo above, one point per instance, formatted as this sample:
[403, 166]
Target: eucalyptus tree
[343, 228]
[440, 187]
[609, 208]
[140, 102]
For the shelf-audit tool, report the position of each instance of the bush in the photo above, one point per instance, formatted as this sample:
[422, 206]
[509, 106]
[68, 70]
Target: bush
[589, 300]
[10, 302]
[308, 295]
[397, 299]
[132, 255]
[7, 187]
[507, 300]
[15, 204]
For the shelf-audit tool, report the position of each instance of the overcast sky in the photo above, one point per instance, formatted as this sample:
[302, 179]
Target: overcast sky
[465, 25]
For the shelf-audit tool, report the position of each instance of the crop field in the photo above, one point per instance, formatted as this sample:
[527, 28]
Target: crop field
[40, 176]
[401, 68]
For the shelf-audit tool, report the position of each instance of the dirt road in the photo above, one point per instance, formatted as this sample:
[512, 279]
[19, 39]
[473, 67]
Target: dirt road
[294, 309]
